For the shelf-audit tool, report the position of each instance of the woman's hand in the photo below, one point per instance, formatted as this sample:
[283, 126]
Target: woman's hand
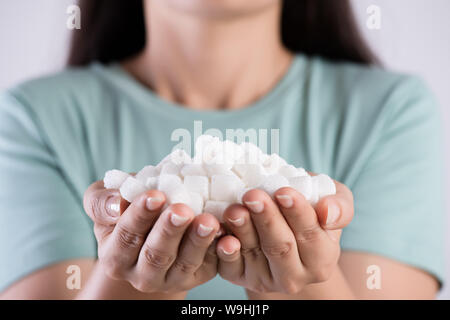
[284, 245]
[165, 252]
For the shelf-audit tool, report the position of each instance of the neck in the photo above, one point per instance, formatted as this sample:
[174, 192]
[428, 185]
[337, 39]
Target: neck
[211, 63]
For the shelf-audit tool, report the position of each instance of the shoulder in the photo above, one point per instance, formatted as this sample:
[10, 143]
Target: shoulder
[58, 102]
[59, 89]
[369, 85]
[369, 95]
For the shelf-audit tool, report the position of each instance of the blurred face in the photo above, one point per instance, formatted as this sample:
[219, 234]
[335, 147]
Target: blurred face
[219, 8]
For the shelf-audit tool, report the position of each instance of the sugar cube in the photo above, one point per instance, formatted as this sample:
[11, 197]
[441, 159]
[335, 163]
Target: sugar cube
[325, 185]
[193, 169]
[274, 182]
[170, 168]
[225, 187]
[216, 208]
[146, 172]
[241, 194]
[179, 194]
[196, 202]
[251, 174]
[169, 182]
[302, 184]
[151, 183]
[114, 178]
[131, 188]
[198, 184]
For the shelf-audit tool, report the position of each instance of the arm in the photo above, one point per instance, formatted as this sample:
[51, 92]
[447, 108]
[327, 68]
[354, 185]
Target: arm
[50, 283]
[398, 281]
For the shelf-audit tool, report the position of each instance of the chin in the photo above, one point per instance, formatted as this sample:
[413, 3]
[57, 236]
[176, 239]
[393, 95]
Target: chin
[220, 8]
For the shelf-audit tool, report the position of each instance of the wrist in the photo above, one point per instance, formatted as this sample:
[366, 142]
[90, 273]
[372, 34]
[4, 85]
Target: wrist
[101, 287]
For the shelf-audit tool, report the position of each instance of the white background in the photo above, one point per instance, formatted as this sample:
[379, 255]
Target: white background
[414, 38]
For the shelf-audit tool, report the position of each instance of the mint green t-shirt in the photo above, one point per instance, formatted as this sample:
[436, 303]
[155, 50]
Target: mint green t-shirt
[375, 131]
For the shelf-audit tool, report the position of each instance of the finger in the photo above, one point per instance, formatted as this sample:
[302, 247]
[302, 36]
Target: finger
[123, 246]
[336, 211]
[231, 262]
[103, 206]
[315, 246]
[239, 222]
[161, 246]
[275, 235]
[193, 248]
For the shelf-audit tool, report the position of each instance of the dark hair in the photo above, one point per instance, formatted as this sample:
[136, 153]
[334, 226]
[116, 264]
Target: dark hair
[113, 30]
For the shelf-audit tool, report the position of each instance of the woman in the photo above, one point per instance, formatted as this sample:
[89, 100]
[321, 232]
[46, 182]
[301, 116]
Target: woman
[143, 69]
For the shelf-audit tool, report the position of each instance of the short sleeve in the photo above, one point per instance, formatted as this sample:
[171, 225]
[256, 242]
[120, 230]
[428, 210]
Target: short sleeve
[41, 216]
[399, 209]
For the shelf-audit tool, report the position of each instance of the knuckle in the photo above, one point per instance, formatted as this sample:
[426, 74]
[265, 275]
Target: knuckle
[290, 286]
[167, 232]
[311, 234]
[142, 286]
[157, 258]
[112, 271]
[252, 252]
[184, 266]
[321, 274]
[127, 239]
[201, 243]
[261, 287]
[277, 251]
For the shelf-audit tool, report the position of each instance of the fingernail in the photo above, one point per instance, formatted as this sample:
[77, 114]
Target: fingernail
[218, 234]
[177, 220]
[154, 203]
[285, 200]
[255, 206]
[203, 230]
[332, 213]
[228, 253]
[239, 222]
[113, 207]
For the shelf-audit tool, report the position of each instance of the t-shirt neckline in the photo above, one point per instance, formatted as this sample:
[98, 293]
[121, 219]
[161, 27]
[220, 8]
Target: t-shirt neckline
[150, 99]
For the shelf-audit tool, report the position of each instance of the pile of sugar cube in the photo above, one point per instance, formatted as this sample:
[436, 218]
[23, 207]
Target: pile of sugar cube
[218, 175]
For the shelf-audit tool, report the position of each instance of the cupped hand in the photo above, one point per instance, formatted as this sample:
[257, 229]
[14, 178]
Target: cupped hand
[286, 244]
[169, 251]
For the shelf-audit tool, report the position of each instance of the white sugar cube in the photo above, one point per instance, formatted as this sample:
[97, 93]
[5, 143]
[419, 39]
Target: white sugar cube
[196, 202]
[198, 184]
[114, 178]
[220, 173]
[302, 184]
[203, 141]
[272, 163]
[193, 169]
[151, 183]
[216, 208]
[288, 171]
[131, 188]
[178, 194]
[225, 187]
[325, 185]
[274, 182]
[213, 169]
[147, 172]
[251, 174]
[251, 154]
[241, 194]
[177, 156]
[170, 168]
[315, 191]
[169, 182]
